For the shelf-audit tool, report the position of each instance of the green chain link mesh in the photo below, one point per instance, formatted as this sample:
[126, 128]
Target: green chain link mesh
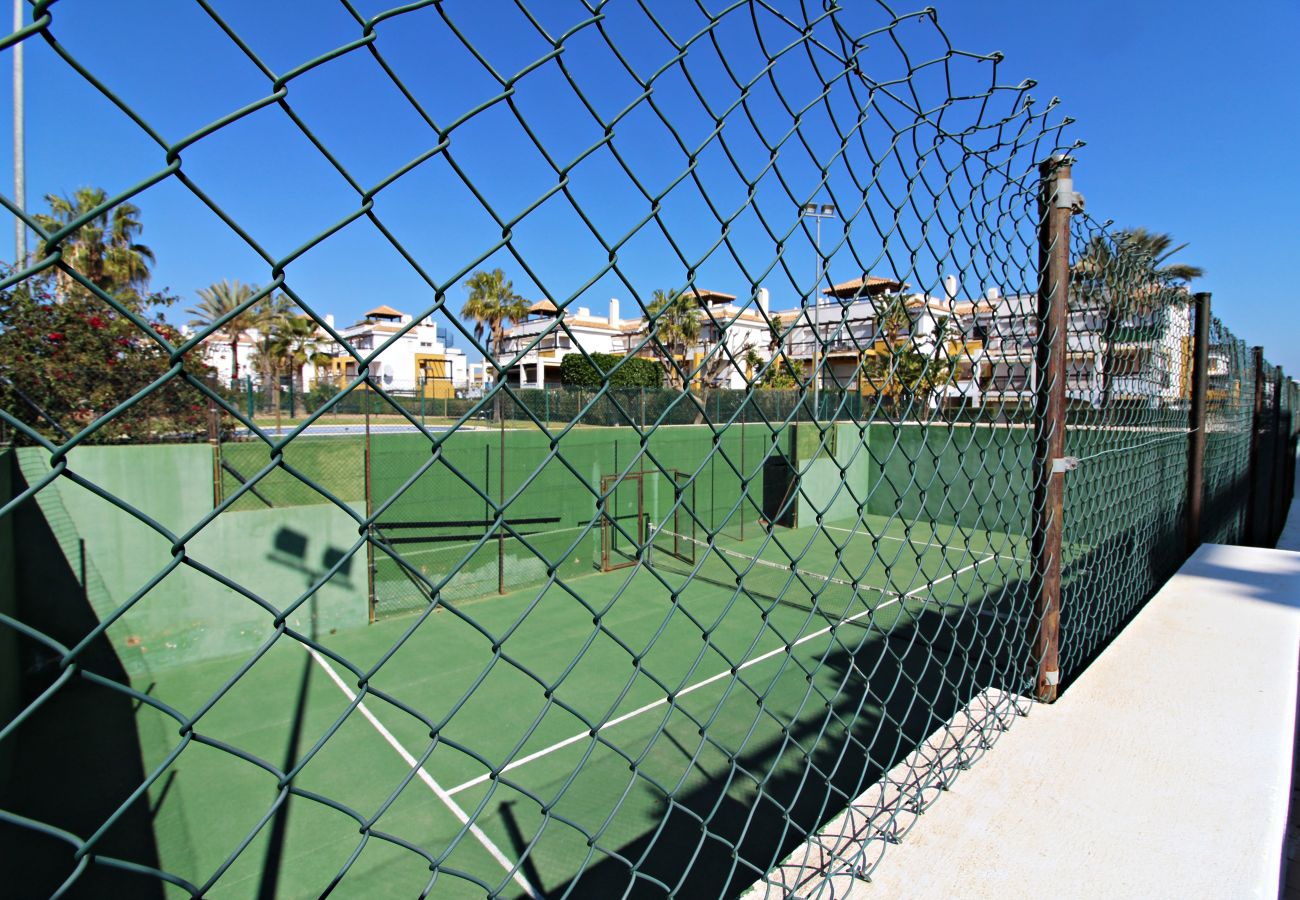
[602, 641]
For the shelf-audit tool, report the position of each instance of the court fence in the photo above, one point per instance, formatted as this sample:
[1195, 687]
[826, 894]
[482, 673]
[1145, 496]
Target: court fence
[605, 641]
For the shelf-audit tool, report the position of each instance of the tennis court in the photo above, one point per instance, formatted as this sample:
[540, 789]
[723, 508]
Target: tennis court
[587, 724]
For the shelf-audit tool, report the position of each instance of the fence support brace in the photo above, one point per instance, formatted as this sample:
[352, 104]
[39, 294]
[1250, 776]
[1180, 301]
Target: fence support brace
[1196, 422]
[1055, 204]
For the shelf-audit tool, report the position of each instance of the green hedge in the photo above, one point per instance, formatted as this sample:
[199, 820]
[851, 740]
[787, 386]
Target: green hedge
[576, 370]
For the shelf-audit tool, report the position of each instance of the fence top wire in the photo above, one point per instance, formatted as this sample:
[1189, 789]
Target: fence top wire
[589, 720]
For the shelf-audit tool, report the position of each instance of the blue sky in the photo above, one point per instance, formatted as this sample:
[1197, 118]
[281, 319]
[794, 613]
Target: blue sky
[1185, 109]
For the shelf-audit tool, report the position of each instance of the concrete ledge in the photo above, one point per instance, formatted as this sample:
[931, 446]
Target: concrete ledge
[1163, 771]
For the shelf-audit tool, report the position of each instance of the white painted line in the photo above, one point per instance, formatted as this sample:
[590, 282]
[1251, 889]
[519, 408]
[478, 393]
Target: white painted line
[663, 701]
[424, 776]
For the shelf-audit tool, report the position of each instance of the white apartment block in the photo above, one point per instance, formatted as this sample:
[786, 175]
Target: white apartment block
[990, 342]
[421, 358]
[217, 352]
[534, 349]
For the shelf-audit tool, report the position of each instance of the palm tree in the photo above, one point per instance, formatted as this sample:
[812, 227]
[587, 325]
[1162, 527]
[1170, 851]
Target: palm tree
[295, 342]
[775, 330]
[1120, 273]
[270, 312]
[674, 323]
[216, 301]
[883, 368]
[492, 303]
[104, 250]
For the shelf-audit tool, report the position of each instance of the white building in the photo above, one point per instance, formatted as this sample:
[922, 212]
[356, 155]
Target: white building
[422, 358]
[990, 342]
[1148, 354]
[550, 334]
[841, 333]
[217, 352]
[731, 337]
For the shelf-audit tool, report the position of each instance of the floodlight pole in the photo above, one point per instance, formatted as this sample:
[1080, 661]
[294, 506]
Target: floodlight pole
[20, 164]
[810, 211]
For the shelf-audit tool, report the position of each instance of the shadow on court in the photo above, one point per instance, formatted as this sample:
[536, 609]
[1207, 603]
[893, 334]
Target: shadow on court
[77, 758]
[868, 725]
[719, 839]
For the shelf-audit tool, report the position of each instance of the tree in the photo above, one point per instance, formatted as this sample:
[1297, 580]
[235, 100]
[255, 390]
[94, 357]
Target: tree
[216, 301]
[724, 358]
[1124, 274]
[777, 376]
[921, 370]
[882, 369]
[295, 342]
[674, 324]
[104, 250]
[492, 303]
[775, 334]
[66, 361]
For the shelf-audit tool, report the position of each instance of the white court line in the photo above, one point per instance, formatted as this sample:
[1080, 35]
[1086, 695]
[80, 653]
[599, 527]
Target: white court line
[443, 795]
[663, 701]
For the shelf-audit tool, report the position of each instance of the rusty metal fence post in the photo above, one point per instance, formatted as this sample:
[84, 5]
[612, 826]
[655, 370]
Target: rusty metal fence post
[1196, 422]
[1277, 500]
[1056, 202]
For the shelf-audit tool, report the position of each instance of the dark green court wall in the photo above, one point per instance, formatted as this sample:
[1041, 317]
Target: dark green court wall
[274, 553]
[969, 475]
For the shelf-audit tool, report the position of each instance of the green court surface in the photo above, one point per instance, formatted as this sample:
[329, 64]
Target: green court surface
[585, 725]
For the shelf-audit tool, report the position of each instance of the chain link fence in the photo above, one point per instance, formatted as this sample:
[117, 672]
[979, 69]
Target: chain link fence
[604, 641]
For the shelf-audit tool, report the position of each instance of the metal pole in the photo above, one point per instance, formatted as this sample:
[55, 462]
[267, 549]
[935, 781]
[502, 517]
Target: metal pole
[20, 161]
[248, 387]
[1256, 420]
[1056, 199]
[744, 473]
[501, 502]
[370, 527]
[1280, 444]
[1196, 423]
[817, 329]
[214, 438]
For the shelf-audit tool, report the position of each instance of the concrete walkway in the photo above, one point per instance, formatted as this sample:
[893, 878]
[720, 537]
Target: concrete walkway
[1163, 771]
